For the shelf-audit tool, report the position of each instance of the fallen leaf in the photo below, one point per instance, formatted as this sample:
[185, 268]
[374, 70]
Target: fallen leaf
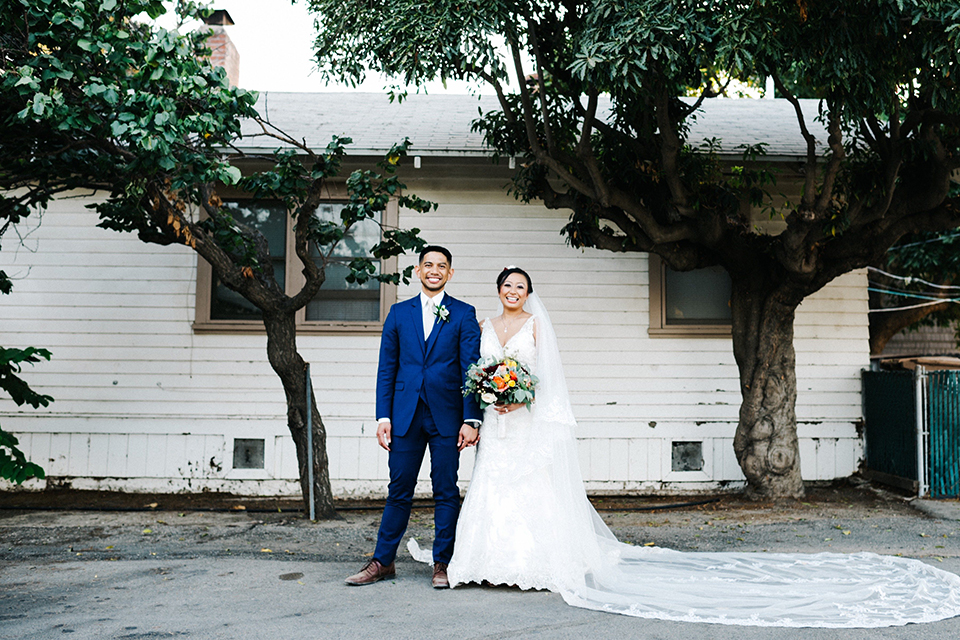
[649, 544]
[148, 530]
[110, 547]
[265, 550]
[152, 505]
[238, 507]
[845, 532]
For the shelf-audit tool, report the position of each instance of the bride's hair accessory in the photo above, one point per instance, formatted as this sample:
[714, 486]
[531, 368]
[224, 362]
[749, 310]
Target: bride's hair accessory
[512, 269]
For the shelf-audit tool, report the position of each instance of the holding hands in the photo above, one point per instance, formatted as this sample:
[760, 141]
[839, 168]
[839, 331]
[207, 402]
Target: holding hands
[469, 436]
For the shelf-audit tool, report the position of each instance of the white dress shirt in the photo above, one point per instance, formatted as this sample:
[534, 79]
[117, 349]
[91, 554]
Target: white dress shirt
[428, 307]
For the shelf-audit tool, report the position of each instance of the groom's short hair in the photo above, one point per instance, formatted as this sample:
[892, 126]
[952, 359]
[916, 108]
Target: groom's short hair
[430, 248]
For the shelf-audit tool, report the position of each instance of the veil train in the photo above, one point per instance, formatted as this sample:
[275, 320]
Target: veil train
[592, 569]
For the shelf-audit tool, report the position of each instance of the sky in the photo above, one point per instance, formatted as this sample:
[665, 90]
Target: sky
[274, 39]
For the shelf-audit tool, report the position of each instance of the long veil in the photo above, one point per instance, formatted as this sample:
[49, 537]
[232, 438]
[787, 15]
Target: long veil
[592, 569]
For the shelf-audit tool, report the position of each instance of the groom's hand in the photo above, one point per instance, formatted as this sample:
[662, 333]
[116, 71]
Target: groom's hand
[469, 435]
[383, 435]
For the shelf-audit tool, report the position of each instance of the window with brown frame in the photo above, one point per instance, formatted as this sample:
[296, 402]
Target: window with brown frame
[339, 307]
[689, 303]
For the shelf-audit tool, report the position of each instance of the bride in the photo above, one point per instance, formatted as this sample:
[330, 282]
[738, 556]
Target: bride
[526, 521]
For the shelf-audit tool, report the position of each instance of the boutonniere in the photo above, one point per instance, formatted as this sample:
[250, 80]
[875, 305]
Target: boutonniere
[442, 313]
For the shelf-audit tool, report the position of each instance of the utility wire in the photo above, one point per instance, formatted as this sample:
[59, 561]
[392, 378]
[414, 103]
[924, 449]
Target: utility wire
[912, 306]
[892, 290]
[908, 279]
[917, 244]
[913, 295]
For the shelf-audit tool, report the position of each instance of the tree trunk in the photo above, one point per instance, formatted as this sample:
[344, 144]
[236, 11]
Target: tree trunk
[292, 370]
[766, 440]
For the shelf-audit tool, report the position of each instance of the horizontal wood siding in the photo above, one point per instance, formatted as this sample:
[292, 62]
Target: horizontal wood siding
[144, 402]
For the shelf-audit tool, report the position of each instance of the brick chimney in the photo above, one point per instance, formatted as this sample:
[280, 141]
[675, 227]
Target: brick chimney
[224, 52]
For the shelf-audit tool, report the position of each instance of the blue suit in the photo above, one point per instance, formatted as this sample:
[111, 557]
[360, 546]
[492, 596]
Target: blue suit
[419, 386]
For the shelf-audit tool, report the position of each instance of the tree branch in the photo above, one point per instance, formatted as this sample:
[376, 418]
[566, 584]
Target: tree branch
[547, 129]
[314, 276]
[810, 168]
[832, 169]
[670, 148]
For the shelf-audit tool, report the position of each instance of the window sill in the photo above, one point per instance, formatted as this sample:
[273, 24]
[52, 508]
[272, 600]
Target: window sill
[306, 329]
[691, 331]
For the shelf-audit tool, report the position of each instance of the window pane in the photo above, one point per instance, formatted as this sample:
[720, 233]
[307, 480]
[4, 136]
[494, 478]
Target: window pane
[339, 300]
[270, 218]
[701, 296]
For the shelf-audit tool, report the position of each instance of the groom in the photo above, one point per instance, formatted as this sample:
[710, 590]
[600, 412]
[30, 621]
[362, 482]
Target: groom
[428, 343]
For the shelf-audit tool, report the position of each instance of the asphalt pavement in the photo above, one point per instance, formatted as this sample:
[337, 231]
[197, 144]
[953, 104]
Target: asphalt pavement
[266, 576]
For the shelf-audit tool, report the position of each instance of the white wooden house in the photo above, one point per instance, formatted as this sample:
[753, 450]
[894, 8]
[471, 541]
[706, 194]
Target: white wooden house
[161, 385]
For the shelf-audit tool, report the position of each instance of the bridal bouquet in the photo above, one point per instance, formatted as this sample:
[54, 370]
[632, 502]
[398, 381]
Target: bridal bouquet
[503, 381]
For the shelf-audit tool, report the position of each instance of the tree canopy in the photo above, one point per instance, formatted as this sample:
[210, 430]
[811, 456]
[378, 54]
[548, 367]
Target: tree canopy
[597, 121]
[96, 96]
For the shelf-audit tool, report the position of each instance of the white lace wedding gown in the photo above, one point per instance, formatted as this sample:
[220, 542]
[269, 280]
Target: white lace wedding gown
[526, 521]
[507, 531]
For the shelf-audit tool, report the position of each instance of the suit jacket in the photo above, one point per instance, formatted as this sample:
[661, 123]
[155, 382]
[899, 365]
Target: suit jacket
[436, 368]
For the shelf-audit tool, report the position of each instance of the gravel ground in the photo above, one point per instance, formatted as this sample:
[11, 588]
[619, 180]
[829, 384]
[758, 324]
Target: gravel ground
[842, 517]
[135, 566]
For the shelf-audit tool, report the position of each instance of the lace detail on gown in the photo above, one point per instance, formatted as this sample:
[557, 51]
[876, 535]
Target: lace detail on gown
[530, 524]
[504, 530]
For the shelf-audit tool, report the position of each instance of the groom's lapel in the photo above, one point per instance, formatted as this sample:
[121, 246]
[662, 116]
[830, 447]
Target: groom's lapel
[416, 319]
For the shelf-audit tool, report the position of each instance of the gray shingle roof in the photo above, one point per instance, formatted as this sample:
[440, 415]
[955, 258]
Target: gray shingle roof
[439, 124]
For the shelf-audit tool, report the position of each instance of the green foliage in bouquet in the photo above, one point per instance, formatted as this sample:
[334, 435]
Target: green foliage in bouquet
[505, 381]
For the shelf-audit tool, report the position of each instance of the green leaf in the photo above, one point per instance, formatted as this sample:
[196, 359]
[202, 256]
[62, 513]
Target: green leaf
[230, 174]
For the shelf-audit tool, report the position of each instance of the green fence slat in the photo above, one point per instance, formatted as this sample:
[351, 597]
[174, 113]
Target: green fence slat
[944, 413]
[889, 408]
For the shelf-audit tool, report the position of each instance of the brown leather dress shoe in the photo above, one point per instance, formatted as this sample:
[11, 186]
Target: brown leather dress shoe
[372, 572]
[440, 580]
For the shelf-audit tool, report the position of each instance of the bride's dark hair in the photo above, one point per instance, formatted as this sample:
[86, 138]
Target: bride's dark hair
[509, 270]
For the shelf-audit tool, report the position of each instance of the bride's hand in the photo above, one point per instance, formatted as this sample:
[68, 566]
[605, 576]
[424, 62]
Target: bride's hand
[507, 408]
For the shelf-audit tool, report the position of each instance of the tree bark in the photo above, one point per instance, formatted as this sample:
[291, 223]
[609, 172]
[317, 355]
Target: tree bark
[766, 442]
[292, 371]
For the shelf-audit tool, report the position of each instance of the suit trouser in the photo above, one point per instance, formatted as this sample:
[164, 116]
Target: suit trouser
[406, 456]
